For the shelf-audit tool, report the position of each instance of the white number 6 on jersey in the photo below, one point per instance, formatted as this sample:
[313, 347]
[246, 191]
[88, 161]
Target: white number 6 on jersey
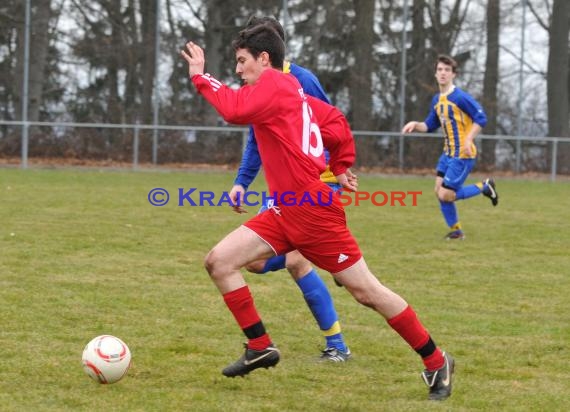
[310, 128]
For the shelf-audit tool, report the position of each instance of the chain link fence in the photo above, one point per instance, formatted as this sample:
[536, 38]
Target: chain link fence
[135, 146]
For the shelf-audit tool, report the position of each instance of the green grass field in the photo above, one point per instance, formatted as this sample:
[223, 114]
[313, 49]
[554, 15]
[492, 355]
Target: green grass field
[83, 253]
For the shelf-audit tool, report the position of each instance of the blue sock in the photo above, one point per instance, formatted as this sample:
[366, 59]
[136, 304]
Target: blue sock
[449, 212]
[274, 263]
[321, 304]
[467, 192]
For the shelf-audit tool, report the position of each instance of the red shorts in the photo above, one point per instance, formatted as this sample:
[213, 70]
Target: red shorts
[314, 223]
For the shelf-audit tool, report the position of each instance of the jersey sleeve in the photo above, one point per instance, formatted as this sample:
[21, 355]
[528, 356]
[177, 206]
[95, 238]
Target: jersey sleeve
[311, 85]
[250, 162]
[309, 82]
[239, 106]
[432, 120]
[469, 105]
[336, 134]
[314, 88]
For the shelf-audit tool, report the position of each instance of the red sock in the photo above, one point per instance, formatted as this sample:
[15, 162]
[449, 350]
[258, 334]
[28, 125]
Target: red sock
[240, 303]
[410, 328]
[434, 361]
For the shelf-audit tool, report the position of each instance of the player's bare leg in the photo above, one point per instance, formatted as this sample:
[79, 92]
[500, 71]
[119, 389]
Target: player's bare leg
[223, 263]
[368, 290]
[319, 300]
[297, 265]
[233, 252]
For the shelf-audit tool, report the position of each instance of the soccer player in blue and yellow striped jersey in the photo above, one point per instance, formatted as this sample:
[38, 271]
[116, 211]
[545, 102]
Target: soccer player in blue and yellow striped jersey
[461, 118]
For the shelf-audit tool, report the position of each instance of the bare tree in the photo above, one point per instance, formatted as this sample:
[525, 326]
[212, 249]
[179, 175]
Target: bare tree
[326, 28]
[148, 27]
[113, 9]
[422, 82]
[558, 66]
[361, 76]
[491, 80]
[39, 40]
[130, 61]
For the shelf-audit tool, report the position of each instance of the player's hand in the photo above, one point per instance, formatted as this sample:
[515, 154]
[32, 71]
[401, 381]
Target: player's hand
[352, 178]
[467, 149]
[194, 55]
[409, 127]
[346, 183]
[236, 196]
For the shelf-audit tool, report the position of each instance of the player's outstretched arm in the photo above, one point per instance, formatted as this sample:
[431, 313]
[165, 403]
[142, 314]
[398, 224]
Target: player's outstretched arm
[194, 55]
[245, 105]
[414, 126]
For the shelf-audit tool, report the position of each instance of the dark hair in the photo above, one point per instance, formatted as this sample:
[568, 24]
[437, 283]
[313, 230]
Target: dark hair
[262, 38]
[272, 21]
[447, 60]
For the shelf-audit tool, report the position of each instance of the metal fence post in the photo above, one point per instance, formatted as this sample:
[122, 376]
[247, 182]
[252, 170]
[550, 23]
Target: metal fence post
[553, 164]
[244, 139]
[25, 86]
[403, 63]
[155, 103]
[401, 152]
[136, 147]
[519, 103]
[25, 140]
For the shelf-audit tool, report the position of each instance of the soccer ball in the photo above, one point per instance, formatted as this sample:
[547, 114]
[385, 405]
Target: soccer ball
[106, 359]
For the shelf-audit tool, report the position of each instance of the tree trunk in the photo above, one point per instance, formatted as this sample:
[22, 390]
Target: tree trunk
[131, 65]
[39, 42]
[361, 73]
[215, 51]
[361, 79]
[421, 152]
[557, 72]
[148, 26]
[487, 156]
[114, 108]
[421, 79]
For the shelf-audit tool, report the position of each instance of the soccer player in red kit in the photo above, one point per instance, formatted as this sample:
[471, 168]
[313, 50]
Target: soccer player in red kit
[292, 130]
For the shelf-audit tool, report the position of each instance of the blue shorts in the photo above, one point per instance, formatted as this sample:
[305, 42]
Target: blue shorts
[454, 171]
[334, 186]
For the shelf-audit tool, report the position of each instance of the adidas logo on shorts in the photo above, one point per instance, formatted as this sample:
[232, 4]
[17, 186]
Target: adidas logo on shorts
[341, 258]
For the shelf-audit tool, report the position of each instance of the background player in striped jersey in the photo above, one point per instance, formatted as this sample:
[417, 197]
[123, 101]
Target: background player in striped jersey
[461, 117]
[314, 290]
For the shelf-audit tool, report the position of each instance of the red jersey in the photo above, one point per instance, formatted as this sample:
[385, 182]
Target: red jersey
[286, 125]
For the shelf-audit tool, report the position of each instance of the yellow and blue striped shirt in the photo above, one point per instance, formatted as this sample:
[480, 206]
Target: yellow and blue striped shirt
[455, 113]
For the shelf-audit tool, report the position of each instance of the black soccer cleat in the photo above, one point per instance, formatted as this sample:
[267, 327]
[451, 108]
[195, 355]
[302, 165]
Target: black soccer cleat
[251, 360]
[331, 354]
[455, 235]
[490, 190]
[439, 381]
